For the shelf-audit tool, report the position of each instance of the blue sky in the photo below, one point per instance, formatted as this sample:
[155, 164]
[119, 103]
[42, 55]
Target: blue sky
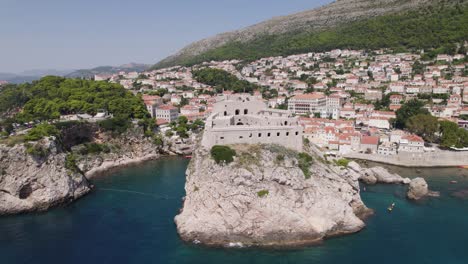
[73, 34]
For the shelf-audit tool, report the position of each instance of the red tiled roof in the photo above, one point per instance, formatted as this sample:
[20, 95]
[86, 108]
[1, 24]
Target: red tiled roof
[370, 140]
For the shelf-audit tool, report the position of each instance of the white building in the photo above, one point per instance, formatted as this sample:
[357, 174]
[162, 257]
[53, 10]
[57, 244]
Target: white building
[307, 103]
[243, 119]
[167, 112]
[411, 143]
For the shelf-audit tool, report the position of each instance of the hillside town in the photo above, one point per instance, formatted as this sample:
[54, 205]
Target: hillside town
[345, 99]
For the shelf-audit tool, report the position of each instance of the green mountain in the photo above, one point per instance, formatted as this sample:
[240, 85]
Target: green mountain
[353, 24]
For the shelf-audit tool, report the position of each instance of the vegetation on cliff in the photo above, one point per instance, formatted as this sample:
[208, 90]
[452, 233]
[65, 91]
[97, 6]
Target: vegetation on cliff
[223, 80]
[222, 154]
[438, 28]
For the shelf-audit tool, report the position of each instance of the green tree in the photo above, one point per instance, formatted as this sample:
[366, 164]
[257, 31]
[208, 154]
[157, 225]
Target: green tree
[408, 110]
[423, 125]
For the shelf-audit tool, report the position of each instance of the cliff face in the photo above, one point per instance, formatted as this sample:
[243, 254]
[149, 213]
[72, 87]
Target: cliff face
[131, 147]
[264, 199]
[37, 182]
[39, 175]
[328, 16]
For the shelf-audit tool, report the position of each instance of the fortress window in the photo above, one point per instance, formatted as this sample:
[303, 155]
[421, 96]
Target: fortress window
[269, 134]
[221, 137]
[297, 133]
[278, 134]
[287, 133]
[246, 111]
[241, 137]
[259, 134]
[250, 135]
[285, 123]
[237, 111]
[225, 113]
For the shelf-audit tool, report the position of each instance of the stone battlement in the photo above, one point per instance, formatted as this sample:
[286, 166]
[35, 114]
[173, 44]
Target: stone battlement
[244, 119]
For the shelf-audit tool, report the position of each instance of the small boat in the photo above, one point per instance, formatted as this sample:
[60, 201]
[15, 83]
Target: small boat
[188, 157]
[453, 182]
[390, 208]
[463, 167]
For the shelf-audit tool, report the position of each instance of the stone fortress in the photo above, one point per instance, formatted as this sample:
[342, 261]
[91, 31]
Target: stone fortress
[245, 119]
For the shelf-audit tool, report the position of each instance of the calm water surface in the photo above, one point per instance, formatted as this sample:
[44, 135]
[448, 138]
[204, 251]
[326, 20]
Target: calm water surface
[129, 219]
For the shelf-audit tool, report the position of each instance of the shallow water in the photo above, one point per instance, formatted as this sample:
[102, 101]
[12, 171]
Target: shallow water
[129, 219]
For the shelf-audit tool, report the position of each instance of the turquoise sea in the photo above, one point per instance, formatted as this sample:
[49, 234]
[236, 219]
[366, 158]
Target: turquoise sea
[129, 219]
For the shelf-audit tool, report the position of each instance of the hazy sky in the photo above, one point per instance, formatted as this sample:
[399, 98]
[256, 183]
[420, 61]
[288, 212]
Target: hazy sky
[73, 34]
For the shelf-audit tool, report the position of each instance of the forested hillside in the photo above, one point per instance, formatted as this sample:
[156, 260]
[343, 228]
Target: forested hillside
[437, 28]
[53, 96]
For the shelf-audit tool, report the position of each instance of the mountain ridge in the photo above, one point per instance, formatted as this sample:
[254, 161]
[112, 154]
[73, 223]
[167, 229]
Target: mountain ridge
[340, 12]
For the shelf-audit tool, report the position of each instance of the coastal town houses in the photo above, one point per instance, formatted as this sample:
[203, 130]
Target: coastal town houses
[411, 143]
[307, 103]
[167, 113]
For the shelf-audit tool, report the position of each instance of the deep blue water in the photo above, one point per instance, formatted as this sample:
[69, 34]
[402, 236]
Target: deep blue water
[129, 219]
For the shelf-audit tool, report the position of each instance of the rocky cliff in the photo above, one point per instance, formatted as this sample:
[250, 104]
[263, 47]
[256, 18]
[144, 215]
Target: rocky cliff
[128, 148]
[264, 198]
[39, 175]
[34, 178]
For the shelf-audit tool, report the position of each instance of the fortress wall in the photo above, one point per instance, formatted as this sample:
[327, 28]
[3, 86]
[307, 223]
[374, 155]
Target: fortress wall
[290, 137]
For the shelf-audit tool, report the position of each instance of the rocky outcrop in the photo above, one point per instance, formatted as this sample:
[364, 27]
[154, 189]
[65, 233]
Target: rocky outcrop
[242, 203]
[39, 175]
[34, 178]
[419, 189]
[377, 175]
[130, 148]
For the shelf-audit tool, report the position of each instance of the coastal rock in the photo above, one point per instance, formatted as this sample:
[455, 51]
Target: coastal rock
[37, 176]
[129, 148]
[38, 180]
[384, 176]
[368, 178]
[375, 175]
[264, 199]
[418, 189]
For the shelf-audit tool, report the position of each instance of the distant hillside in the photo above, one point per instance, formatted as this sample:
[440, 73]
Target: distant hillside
[30, 75]
[15, 78]
[357, 24]
[88, 73]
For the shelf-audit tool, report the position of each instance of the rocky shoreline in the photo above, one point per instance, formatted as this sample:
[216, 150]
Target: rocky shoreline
[39, 175]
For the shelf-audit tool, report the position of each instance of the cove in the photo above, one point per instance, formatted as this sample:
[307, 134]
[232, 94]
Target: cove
[129, 219]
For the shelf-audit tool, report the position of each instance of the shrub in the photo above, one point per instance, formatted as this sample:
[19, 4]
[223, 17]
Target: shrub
[305, 161]
[70, 163]
[158, 140]
[40, 131]
[222, 154]
[94, 148]
[169, 133]
[342, 162]
[262, 193]
[279, 158]
[37, 151]
[116, 125]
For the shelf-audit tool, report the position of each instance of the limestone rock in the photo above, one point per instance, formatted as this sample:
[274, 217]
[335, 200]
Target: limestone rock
[131, 147]
[418, 189]
[263, 200]
[36, 183]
